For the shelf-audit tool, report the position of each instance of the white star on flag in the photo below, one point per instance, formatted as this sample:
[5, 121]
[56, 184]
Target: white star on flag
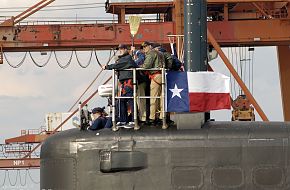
[176, 91]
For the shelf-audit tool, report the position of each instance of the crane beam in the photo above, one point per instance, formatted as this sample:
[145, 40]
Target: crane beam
[30, 138]
[271, 32]
[19, 163]
[67, 37]
[251, 32]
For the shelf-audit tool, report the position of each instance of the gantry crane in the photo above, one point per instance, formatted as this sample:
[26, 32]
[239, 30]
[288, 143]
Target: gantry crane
[230, 23]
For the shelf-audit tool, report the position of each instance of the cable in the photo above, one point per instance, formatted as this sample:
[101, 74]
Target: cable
[109, 59]
[241, 65]
[98, 61]
[4, 178]
[85, 102]
[40, 65]
[236, 66]
[77, 101]
[86, 90]
[234, 55]
[90, 59]
[230, 58]
[241, 69]
[102, 78]
[35, 182]
[232, 80]
[25, 178]
[249, 68]
[253, 70]
[17, 65]
[12, 184]
[245, 63]
[110, 56]
[65, 65]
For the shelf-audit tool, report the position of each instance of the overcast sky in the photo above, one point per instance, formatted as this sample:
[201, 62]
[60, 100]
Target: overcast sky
[29, 92]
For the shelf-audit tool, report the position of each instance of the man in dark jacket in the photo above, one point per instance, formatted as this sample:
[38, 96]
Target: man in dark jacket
[99, 121]
[125, 61]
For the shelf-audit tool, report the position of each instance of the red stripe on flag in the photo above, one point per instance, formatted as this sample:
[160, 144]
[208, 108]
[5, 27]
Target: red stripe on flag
[202, 102]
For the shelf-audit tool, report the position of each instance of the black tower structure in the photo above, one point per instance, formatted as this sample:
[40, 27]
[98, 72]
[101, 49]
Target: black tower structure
[195, 35]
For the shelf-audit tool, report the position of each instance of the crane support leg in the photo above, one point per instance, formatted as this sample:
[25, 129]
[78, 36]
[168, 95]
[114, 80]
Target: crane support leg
[236, 76]
[1, 54]
[178, 15]
[284, 68]
[27, 13]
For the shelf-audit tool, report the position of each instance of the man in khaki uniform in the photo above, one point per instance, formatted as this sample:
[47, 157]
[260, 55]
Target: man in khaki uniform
[153, 59]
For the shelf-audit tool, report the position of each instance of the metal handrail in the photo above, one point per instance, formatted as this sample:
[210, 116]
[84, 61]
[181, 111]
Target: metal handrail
[33, 131]
[135, 97]
[85, 21]
[140, 97]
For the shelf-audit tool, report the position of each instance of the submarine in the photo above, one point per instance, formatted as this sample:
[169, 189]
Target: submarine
[221, 155]
[196, 154]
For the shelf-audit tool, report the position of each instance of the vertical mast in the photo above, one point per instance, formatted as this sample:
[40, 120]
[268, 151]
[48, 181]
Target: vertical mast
[195, 35]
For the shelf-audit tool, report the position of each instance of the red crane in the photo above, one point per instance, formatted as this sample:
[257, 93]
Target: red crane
[230, 23]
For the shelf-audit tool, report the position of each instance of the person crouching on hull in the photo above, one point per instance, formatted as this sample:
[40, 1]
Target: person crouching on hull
[99, 119]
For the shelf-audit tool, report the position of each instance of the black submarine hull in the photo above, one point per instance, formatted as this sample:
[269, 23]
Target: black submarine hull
[221, 155]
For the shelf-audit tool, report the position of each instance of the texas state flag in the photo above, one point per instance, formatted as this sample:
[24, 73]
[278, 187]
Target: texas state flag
[197, 91]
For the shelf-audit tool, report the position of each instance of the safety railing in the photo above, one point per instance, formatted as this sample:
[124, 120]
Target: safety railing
[279, 13]
[135, 97]
[67, 22]
[38, 131]
[178, 41]
[76, 21]
[18, 150]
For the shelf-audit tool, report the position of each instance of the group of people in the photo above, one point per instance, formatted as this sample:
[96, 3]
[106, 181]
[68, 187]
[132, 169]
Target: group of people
[148, 56]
